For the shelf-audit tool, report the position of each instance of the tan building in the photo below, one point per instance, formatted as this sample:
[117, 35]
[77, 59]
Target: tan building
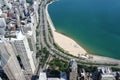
[22, 48]
[9, 62]
[73, 70]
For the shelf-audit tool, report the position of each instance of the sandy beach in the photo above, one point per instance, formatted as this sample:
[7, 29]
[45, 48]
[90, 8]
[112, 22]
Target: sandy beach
[102, 59]
[65, 42]
[72, 47]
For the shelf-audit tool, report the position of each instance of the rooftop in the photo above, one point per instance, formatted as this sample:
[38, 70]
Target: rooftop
[53, 79]
[2, 23]
[42, 76]
[73, 64]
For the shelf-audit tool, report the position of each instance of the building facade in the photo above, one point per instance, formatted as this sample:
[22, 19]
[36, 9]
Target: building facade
[73, 74]
[9, 62]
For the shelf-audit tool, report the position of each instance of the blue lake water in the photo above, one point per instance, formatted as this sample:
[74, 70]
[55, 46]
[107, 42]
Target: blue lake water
[94, 24]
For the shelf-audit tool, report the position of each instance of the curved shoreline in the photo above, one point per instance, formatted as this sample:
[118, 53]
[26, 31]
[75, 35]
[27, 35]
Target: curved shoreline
[73, 48]
[65, 42]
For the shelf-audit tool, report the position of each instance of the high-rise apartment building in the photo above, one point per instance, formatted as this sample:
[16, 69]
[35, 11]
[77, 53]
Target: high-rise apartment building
[73, 70]
[2, 26]
[9, 62]
[18, 21]
[21, 45]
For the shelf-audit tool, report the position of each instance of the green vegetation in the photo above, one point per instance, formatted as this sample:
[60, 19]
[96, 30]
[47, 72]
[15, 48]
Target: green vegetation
[80, 59]
[60, 65]
[50, 39]
[44, 35]
[9, 36]
[37, 26]
[45, 55]
[93, 63]
[46, 42]
[37, 32]
[115, 69]
[37, 46]
[50, 31]
[38, 53]
[65, 52]
[87, 68]
[59, 48]
[61, 56]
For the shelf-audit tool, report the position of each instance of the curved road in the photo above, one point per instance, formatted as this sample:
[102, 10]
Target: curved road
[46, 40]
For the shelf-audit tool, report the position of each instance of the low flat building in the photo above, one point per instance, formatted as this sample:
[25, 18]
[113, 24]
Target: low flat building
[63, 76]
[108, 77]
[53, 79]
[42, 76]
[106, 73]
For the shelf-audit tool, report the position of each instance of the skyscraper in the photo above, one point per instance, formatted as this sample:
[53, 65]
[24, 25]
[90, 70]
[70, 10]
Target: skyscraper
[2, 26]
[21, 45]
[9, 62]
[73, 70]
[18, 23]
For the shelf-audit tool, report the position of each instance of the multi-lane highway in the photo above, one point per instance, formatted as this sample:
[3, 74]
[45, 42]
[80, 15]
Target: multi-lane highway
[45, 39]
